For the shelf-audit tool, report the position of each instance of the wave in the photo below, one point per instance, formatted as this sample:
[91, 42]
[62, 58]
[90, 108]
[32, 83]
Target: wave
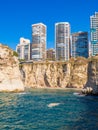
[79, 94]
[22, 93]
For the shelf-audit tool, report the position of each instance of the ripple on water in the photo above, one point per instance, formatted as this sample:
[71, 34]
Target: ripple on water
[30, 110]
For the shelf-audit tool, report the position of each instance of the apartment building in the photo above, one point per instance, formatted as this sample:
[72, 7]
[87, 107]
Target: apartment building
[94, 33]
[79, 44]
[38, 48]
[62, 40]
[23, 49]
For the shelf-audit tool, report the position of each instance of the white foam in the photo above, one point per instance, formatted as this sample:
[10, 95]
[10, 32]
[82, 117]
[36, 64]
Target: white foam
[22, 93]
[79, 94]
[53, 104]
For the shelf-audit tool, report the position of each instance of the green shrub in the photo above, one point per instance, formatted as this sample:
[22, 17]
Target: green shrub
[21, 60]
[15, 53]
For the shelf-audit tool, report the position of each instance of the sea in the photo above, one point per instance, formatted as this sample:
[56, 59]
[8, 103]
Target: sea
[48, 109]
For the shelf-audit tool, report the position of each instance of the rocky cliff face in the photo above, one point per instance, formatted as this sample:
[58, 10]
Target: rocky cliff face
[56, 74]
[10, 77]
[46, 75]
[92, 78]
[78, 73]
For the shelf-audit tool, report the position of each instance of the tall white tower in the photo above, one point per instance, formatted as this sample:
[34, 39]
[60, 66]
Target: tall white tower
[62, 40]
[38, 41]
[94, 33]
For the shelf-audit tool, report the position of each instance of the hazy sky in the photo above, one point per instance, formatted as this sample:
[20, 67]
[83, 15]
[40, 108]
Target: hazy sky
[17, 16]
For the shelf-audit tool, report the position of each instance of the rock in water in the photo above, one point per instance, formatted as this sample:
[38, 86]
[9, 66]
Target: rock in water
[10, 77]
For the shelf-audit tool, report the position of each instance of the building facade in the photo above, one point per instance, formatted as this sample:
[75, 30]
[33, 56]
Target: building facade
[79, 44]
[94, 33]
[38, 42]
[50, 54]
[62, 40]
[23, 49]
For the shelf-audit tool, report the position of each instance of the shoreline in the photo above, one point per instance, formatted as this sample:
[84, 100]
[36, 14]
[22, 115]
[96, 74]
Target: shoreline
[31, 88]
[77, 89]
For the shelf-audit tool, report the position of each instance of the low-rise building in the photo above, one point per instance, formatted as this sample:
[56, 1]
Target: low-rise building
[23, 49]
[50, 54]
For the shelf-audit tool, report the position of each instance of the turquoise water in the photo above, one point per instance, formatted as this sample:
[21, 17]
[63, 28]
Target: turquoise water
[32, 110]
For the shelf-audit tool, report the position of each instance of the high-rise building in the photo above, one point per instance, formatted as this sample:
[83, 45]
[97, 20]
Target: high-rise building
[79, 44]
[94, 33]
[62, 40]
[51, 54]
[23, 49]
[38, 41]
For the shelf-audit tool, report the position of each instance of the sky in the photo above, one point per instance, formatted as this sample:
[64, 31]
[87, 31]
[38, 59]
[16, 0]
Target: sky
[17, 17]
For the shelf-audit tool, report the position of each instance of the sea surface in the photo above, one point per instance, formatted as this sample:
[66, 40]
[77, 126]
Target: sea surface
[42, 109]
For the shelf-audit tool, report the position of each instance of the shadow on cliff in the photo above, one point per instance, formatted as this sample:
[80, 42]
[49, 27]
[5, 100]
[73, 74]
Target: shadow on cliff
[22, 74]
[88, 76]
[91, 75]
[46, 81]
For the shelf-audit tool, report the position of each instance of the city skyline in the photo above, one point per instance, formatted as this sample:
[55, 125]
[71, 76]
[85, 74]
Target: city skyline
[18, 16]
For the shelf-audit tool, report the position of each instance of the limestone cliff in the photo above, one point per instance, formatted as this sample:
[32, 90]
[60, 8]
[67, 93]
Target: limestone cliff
[78, 73]
[46, 75]
[92, 78]
[56, 74]
[10, 77]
